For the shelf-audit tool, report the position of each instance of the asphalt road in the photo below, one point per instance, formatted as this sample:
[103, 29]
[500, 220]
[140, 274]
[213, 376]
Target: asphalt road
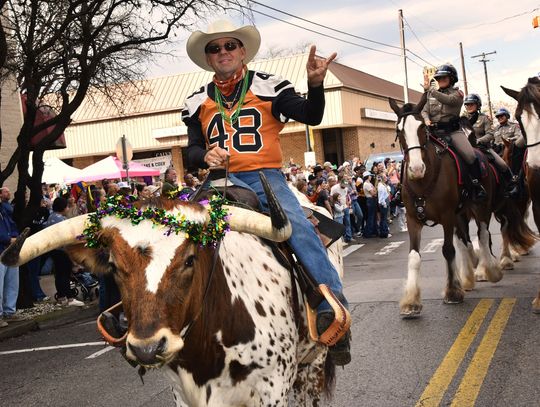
[484, 352]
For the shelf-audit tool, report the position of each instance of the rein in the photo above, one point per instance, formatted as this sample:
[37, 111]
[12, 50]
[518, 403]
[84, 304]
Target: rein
[189, 326]
[420, 200]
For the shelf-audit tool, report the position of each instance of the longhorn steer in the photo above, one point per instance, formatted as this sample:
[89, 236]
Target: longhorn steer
[243, 348]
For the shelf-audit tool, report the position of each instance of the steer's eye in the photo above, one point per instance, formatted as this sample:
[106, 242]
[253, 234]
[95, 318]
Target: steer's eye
[189, 261]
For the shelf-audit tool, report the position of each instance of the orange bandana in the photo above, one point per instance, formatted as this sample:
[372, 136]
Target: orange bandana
[226, 87]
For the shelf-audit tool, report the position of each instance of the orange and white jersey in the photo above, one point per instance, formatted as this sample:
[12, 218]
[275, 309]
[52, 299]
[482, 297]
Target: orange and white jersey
[253, 140]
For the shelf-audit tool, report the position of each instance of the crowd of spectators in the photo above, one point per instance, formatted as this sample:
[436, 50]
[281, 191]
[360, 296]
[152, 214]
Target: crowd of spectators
[364, 200]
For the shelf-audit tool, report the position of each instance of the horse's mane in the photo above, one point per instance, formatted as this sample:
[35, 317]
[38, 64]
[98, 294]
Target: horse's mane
[530, 94]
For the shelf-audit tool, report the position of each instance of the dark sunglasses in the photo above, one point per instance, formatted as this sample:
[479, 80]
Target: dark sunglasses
[229, 46]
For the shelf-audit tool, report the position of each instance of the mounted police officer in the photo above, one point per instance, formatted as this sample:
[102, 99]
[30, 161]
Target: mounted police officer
[507, 130]
[483, 134]
[441, 115]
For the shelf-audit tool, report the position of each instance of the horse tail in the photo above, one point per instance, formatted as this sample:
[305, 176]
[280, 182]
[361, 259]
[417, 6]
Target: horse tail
[514, 226]
[329, 377]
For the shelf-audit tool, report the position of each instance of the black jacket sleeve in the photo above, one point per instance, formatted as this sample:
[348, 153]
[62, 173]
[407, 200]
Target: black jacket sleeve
[196, 148]
[293, 106]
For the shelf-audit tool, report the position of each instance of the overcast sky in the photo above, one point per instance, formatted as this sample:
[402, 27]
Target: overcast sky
[482, 26]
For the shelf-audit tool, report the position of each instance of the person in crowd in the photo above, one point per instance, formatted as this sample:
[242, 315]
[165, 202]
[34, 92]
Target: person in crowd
[149, 191]
[302, 186]
[62, 263]
[124, 188]
[214, 113]
[5, 200]
[9, 276]
[342, 188]
[34, 265]
[441, 115]
[357, 216]
[483, 133]
[323, 195]
[112, 189]
[170, 182]
[338, 207]
[311, 185]
[383, 199]
[361, 200]
[400, 210]
[393, 181]
[328, 170]
[370, 230]
[293, 174]
[190, 184]
[71, 209]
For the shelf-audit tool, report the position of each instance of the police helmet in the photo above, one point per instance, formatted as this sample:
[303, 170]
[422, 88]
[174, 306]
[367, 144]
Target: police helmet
[502, 112]
[447, 70]
[473, 98]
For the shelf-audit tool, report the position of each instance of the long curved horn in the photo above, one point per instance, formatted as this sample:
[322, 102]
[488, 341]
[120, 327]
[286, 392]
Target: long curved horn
[61, 234]
[276, 227]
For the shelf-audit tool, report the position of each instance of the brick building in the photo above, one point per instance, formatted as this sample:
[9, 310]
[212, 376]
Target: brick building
[357, 121]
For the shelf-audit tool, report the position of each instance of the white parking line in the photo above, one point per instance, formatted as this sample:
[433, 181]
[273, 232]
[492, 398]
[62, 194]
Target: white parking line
[390, 247]
[351, 248]
[432, 246]
[71, 345]
[100, 352]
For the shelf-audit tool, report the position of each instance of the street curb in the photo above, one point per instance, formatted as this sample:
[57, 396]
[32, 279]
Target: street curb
[50, 320]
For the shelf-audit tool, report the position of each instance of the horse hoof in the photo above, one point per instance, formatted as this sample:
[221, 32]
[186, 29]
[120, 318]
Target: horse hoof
[506, 263]
[467, 285]
[411, 312]
[480, 277]
[451, 301]
[536, 306]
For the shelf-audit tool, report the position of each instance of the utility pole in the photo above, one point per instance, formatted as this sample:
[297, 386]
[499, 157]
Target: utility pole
[463, 69]
[402, 40]
[484, 60]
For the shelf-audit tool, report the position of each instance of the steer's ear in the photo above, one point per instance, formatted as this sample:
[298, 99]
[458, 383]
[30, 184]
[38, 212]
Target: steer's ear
[95, 260]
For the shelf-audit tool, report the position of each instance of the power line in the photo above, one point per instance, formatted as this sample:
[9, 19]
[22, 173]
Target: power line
[418, 39]
[325, 26]
[325, 35]
[498, 21]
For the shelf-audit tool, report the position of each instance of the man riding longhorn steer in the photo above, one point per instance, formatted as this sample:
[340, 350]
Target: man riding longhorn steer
[238, 116]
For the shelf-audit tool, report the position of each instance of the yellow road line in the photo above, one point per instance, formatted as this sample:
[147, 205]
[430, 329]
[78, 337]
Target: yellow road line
[441, 379]
[476, 372]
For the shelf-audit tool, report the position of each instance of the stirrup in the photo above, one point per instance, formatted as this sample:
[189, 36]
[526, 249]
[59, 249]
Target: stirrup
[108, 326]
[340, 325]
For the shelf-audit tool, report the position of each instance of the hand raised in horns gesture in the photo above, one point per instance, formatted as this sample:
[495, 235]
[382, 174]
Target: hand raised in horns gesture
[317, 67]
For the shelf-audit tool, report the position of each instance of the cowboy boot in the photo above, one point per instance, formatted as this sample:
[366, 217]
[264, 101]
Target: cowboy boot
[511, 189]
[477, 189]
[341, 351]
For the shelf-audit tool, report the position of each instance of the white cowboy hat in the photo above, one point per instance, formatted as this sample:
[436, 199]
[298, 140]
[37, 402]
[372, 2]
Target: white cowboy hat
[248, 35]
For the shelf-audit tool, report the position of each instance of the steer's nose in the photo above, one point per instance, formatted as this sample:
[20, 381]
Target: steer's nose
[147, 353]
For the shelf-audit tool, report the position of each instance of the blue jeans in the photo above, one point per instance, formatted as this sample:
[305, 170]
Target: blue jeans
[304, 240]
[34, 267]
[358, 215]
[9, 289]
[383, 224]
[347, 223]
[371, 224]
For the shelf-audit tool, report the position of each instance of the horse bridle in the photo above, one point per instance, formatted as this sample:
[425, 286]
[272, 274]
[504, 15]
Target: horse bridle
[405, 151]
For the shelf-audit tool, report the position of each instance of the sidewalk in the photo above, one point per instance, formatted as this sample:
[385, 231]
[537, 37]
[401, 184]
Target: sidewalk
[49, 315]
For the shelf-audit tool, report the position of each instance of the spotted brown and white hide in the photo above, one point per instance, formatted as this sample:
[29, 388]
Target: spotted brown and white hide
[244, 348]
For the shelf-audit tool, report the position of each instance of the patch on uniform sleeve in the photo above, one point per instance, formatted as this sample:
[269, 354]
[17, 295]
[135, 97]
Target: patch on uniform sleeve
[267, 85]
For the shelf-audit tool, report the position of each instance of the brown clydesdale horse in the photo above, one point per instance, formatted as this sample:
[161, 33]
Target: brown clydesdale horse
[528, 115]
[432, 194]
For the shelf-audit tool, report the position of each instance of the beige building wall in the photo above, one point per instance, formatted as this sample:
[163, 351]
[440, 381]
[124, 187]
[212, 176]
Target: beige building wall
[11, 120]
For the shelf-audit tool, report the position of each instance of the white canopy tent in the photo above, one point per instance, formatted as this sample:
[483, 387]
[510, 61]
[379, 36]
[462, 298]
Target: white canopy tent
[56, 171]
